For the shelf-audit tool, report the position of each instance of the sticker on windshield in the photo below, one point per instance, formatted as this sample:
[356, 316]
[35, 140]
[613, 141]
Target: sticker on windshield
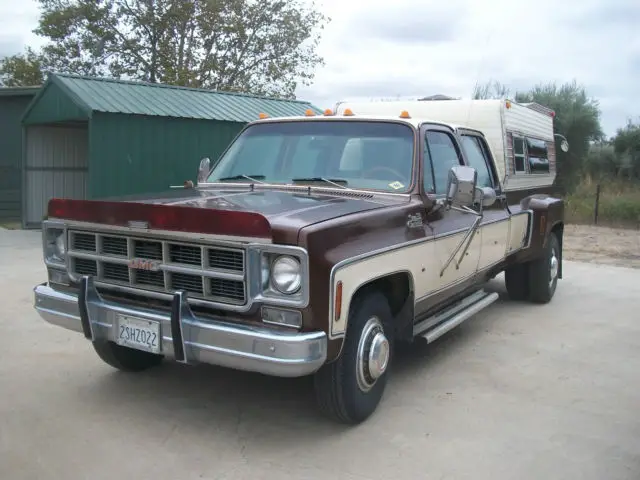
[396, 185]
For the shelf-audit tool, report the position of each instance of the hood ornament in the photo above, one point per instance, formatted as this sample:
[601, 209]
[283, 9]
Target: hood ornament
[138, 224]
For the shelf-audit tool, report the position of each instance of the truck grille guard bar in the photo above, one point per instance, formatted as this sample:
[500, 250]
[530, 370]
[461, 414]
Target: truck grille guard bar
[180, 310]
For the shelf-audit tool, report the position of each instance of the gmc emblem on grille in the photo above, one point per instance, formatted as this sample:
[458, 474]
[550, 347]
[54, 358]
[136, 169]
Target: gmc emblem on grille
[141, 264]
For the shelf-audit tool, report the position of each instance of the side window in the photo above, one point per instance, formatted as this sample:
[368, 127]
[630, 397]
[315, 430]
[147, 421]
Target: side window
[538, 156]
[440, 155]
[519, 160]
[477, 157]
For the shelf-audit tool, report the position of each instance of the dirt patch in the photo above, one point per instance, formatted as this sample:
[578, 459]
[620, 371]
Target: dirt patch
[611, 246]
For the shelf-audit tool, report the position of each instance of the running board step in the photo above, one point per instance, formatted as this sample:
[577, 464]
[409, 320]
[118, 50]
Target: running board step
[447, 320]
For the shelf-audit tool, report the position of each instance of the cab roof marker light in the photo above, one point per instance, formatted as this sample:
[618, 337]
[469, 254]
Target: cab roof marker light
[348, 112]
[404, 114]
[310, 113]
[262, 116]
[328, 112]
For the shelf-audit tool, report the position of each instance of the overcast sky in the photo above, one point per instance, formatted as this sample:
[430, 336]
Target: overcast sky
[383, 49]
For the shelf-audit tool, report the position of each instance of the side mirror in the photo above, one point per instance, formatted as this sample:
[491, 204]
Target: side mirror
[564, 144]
[488, 196]
[203, 169]
[461, 186]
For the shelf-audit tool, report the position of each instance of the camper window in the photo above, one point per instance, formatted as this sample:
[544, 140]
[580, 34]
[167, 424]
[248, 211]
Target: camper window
[538, 156]
[519, 155]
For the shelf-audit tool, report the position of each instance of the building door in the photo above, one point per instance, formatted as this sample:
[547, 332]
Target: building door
[55, 167]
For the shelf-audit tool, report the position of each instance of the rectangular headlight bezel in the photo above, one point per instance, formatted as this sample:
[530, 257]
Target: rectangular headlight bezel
[266, 293]
[51, 230]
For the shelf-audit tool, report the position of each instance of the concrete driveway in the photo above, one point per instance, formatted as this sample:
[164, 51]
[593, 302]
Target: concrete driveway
[518, 392]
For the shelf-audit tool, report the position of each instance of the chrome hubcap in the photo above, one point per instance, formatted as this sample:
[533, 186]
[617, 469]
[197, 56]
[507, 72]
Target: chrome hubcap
[553, 268]
[373, 354]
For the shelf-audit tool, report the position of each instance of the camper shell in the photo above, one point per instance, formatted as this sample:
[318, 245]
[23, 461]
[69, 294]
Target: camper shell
[520, 135]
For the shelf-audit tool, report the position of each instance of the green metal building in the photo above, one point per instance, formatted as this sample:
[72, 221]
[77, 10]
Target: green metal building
[13, 103]
[93, 138]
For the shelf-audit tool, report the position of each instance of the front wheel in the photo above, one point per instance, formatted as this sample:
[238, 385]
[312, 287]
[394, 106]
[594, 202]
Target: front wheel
[349, 389]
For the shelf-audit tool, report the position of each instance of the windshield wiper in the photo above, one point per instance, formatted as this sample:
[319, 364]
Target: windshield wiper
[253, 178]
[338, 182]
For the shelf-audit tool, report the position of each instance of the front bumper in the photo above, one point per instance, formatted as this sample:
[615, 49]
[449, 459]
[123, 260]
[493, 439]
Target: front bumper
[187, 338]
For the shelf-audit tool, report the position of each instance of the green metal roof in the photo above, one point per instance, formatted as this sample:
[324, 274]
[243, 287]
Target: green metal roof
[18, 91]
[141, 98]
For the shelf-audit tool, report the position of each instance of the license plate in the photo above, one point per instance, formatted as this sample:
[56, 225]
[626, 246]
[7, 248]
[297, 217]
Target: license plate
[138, 333]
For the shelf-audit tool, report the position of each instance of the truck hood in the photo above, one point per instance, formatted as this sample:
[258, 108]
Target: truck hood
[276, 213]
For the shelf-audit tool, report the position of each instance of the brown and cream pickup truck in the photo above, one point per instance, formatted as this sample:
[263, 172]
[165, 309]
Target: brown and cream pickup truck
[312, 246]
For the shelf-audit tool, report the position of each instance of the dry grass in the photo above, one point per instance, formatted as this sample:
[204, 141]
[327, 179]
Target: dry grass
[10, 225]
[619, 204]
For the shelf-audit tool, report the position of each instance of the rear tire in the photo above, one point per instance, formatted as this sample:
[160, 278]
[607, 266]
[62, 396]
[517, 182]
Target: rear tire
[124, 358]
[347, 389]
[536, 281]
[543, 272]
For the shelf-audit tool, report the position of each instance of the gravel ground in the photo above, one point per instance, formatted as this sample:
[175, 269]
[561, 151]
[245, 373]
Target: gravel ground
[609, 246]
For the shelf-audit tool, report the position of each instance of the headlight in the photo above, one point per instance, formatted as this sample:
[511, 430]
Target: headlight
[286, 274]
[54, 245]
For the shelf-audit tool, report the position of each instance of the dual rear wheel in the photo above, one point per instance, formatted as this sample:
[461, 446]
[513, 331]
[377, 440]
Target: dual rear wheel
[536, 281]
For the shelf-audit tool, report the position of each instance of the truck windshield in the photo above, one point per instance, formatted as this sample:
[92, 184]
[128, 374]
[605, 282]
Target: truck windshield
[353, 154]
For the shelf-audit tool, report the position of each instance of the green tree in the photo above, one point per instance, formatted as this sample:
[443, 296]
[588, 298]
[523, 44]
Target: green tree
[260, 46]
[626, 144]
[577, 118]
[21, 70]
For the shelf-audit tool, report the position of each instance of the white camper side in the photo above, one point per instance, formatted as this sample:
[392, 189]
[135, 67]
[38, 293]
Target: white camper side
[530, 154]
[503, 122]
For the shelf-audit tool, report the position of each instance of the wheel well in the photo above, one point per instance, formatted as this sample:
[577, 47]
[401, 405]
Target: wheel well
[398, 290]
[558, 229]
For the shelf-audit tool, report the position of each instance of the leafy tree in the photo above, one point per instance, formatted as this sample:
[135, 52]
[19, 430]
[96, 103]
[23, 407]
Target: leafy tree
[21, 70]
[577, 118]
[626, 144]
[259, 46]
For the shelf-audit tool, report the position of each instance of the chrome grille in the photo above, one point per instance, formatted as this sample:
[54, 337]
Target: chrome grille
[186, 254]
[84, 242]
[84, 266]
[114, 246]
[209, 272]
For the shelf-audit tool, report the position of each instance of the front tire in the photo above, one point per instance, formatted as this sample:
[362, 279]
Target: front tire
[349, 389]
[124, 358]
